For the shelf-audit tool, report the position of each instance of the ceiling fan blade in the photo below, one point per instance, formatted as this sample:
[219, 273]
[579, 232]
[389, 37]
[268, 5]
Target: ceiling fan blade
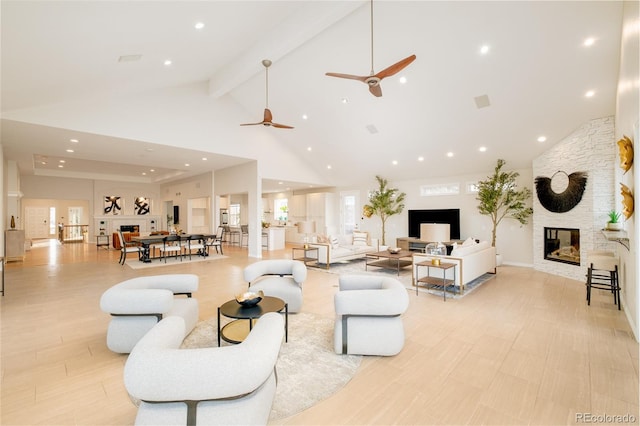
[376, 90]
[281, 126]
[349, 76]
[267, 115]
[395, 68]
[253, 124]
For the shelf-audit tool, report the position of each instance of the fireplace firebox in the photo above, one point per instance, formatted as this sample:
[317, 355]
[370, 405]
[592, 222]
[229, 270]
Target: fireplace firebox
[129, 228]
[562, 245]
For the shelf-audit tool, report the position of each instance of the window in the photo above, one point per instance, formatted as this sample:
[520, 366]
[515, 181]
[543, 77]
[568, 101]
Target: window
[52, 221]
[440, 189]
[348, 213]
[234, 214]
[281, 209]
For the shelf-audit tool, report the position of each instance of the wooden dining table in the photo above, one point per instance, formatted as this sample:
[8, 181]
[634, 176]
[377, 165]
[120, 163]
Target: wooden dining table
[146, 241]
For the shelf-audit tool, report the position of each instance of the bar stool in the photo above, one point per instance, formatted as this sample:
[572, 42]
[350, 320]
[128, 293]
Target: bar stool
[603, 274]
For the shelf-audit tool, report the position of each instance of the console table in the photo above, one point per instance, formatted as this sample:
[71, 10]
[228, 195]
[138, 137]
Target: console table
[416, 244]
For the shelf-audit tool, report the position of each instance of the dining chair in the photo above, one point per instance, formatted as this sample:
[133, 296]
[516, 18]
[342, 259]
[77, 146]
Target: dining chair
[127, 247]
[171, 244]
[244, 235]
[216, 241]
[196, 242]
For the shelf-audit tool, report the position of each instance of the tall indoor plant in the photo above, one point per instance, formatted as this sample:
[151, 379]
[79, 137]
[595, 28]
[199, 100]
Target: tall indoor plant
[384, 202]
[499, 198]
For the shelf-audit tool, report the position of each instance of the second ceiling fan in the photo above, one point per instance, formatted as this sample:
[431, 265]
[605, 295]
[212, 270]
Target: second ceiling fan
[268, 117]
[373, 80]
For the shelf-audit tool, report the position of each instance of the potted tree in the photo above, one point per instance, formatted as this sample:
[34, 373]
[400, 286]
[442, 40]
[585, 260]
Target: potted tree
[499, 198]
[384, 202]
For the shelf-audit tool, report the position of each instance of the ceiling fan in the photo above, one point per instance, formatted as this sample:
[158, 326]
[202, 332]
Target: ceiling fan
[268, 117]
[373, 80]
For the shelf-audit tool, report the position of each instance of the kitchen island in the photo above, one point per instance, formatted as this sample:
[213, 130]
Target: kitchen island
[275, 237]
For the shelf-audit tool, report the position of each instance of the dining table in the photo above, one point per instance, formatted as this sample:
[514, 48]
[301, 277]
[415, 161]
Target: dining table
[146, 241]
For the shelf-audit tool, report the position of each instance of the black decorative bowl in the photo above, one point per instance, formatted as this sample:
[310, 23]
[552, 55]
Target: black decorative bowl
[249, 298]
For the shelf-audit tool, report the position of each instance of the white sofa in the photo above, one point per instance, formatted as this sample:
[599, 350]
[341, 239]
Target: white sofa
[339, 248]
[136, 305]
[472, 260]
[231, 385]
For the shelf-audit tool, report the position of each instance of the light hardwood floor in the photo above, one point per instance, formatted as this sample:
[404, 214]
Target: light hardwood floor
[523, 349]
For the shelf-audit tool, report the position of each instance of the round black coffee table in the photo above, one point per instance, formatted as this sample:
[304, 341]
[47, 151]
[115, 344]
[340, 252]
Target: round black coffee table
[236, 331]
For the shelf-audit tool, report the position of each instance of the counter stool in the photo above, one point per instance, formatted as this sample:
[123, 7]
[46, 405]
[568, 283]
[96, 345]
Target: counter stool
[603, 274]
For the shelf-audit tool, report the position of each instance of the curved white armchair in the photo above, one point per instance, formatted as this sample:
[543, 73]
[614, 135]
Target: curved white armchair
[136, 305]
[368, 315]
[281, 278]
[210, 386]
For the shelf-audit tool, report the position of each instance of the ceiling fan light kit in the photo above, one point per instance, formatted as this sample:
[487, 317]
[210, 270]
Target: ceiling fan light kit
[267, 119]
[373, 80]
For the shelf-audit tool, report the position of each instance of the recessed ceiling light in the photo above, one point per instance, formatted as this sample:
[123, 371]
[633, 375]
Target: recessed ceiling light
[394, 162]
[199, 25]
[542, 138]
[144, 173]
[43, 163]
[70, 150]
[187, 164]
[589, 41]
[421, 158]
[152, 170]
[482, 149]
[204, 158]
[61, 161]
[60, 166]
[590, 93]
[305, 116]
[403, 80]
[329, 166]
[344, 100]
[73, 140]
[149, 149]
[484, 49]
[279, 183]
[449, 154]
[308, 148]
[167, 62]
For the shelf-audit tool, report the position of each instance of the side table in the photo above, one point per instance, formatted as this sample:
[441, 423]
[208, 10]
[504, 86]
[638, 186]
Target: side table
[236, 331]
[436, 281]
[102, 240]
[307, 254]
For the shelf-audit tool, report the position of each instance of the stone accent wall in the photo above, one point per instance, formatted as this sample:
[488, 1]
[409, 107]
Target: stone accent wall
[592, 149]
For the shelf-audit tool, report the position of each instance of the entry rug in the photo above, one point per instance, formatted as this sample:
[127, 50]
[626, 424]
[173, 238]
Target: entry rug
[134, 263]
[308, 369]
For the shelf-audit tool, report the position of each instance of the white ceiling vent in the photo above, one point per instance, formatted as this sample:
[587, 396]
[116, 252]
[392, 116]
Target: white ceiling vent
[372, 129]
[482, 101]
[129, 58]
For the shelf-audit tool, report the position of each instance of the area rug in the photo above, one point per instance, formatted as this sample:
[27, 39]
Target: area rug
[308, 369]
[357, 266]
[133, 263]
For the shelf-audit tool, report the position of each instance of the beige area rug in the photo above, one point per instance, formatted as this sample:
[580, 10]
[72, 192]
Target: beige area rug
[133, 262]
[308, 369]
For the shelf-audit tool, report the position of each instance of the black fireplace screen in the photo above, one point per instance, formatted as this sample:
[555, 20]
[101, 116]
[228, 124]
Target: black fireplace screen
[562, 245]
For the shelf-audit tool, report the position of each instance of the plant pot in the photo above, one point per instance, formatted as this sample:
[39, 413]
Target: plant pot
[614, 226]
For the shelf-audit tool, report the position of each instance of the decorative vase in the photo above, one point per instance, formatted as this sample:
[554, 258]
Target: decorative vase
[617, 226]
[13, 222]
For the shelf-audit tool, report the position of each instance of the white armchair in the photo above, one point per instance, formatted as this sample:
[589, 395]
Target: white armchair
[368, 315]
[281, 278]
[136, 305]
[210, 386]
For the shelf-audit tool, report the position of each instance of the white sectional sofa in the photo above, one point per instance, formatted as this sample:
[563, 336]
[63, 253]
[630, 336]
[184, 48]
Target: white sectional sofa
[337, 248]
[472, 260]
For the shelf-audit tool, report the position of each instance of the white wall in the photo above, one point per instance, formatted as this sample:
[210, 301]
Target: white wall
[627, 112]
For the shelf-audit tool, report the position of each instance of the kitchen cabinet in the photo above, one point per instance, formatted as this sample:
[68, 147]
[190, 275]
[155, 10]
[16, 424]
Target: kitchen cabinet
[298, 206]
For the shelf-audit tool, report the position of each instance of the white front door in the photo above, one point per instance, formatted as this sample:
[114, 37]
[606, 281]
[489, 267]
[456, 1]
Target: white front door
[36, 223]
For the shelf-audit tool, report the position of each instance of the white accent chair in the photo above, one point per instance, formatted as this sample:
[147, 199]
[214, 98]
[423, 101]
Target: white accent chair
[230, 385]
[281, 278]
[136, 305]
[368, 315]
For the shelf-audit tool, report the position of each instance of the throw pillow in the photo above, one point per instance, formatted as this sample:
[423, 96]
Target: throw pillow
[334, 242]
[359, 238]
[322, 238]
[468, 242]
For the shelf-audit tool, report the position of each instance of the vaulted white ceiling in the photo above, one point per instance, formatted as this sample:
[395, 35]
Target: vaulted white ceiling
[62, 79]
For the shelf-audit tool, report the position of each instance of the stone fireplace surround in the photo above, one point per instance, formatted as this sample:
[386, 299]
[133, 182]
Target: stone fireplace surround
[591, 149]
